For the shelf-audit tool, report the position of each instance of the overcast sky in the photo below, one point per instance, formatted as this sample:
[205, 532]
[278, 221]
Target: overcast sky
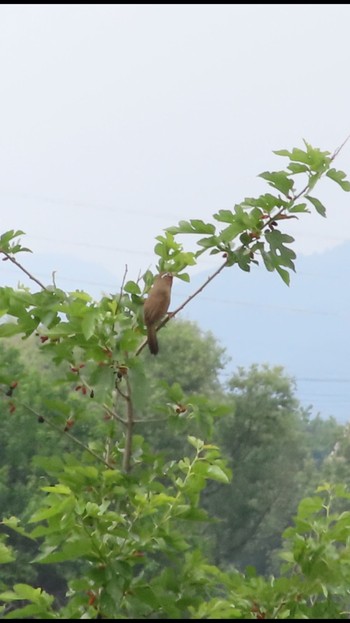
[117, 121]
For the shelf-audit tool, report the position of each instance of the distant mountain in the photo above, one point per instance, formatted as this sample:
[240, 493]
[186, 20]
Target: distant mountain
[304, 327]
[258, 319]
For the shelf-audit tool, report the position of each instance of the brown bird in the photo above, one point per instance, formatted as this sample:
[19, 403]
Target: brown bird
[156, 306]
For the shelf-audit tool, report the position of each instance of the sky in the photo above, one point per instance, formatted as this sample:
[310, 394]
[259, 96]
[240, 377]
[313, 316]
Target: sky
[120, 120]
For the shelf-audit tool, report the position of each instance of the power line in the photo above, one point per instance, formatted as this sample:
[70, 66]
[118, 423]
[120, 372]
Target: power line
[97, 207]
[92, 246]
[323, 380]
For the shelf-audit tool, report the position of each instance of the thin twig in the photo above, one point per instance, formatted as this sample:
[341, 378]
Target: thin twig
[151, 419]
[122, 288]
[115, 415]
[125, 396]
[67, 434]
[339, 148]
[14, 261]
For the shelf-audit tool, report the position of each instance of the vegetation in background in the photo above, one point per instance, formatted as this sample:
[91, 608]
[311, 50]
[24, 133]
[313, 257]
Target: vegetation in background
[127, 459]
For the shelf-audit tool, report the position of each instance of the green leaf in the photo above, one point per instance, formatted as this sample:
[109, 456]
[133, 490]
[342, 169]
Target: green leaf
[284, 274]
[317, 204]
[225, 216]
[231, 232]
[5, 554]
[309, 506]
[175, 392]
[183, 277]
[300, 207]
[59, 489]
[196, 443]
[199, 227]
[282, 255]
[89, 322]
[295, 167]
[56, 509]
[24, 591]
[208, 243]
[146, 595]
[70, 551]
[338, 176]
[184, 227]
[13, 523]
[216, 473]
[279, 180]
[31, 611]
[8, 329]
[132, 288]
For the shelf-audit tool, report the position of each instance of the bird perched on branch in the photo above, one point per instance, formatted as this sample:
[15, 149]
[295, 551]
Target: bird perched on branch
[156, 306]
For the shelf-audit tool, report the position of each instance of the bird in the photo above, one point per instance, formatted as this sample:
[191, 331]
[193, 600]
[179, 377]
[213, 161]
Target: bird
[156, 306]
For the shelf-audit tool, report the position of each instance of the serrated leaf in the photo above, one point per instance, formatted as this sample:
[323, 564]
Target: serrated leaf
[199, 227]
[231, 232]
[338, 176]
[280, 255]
[207, 243]
[279, 180]
[225, 216]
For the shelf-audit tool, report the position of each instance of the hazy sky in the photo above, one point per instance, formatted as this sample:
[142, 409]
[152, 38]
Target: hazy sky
[117, 121]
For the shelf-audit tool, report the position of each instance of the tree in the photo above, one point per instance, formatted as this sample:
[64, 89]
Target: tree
[121, 510]
[263, 439]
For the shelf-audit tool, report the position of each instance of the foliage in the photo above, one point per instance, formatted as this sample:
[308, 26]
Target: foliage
[263, 439]
[126, 515]
[315, 579]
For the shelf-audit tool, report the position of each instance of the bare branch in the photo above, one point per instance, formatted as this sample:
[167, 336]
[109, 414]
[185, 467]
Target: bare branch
[115, 415]
[122, 287]
[24, 270]
[67, 434]
[340, 148]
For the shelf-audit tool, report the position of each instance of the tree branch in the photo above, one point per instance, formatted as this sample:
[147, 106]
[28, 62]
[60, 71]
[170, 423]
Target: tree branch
[14, 261]
[67, 434]
[115, 415]
[336, 152]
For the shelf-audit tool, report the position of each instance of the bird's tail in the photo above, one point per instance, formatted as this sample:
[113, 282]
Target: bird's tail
[152, 339]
